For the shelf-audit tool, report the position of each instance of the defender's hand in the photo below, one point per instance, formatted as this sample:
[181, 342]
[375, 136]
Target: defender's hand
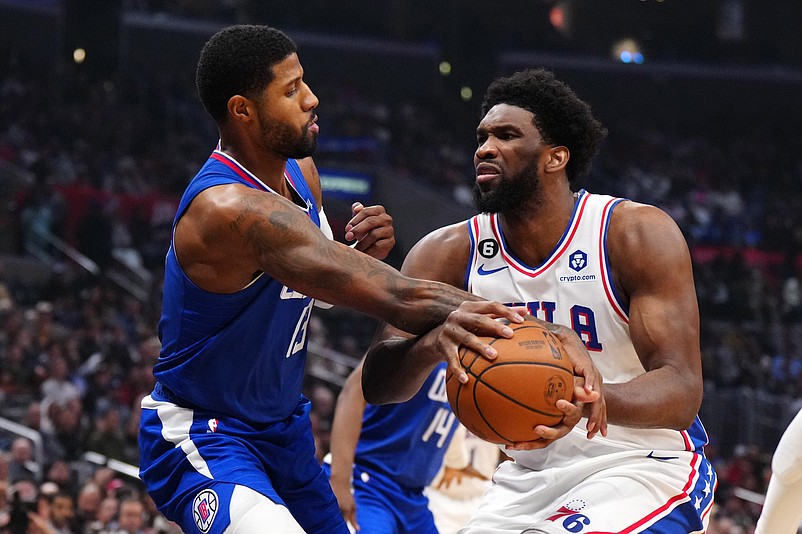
[372, 229]
[464, 327]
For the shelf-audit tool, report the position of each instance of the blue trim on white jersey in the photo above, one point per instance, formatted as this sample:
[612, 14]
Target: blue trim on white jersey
[624, 308]
[470, 256]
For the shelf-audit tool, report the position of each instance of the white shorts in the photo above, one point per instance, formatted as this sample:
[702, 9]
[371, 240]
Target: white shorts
[666, 492]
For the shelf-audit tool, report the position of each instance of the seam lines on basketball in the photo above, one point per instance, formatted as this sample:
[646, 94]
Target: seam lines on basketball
[478, 387]
[518, 362]
[509, 398]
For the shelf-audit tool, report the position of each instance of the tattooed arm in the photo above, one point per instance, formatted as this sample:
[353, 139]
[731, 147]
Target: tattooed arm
[231, 233]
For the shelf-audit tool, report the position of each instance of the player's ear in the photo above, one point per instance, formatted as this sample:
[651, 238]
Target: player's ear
[239, 107]
[557, 159]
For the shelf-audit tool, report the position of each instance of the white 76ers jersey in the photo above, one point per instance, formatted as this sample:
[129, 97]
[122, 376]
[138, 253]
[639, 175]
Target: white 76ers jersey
[572, 287]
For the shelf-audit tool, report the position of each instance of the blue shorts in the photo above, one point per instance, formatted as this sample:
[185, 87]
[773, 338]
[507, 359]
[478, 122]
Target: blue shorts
[385, 507]
[191, 460]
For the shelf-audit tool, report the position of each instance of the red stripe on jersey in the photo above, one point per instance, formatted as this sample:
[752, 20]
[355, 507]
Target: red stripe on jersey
[237, 167]
[234, 167]
[686, 437]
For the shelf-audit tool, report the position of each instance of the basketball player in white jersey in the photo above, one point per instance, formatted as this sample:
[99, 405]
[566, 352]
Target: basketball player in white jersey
[782, 513]
[616, 272]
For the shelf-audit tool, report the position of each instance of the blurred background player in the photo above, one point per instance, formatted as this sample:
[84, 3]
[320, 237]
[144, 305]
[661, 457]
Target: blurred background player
[382, 457]
[782, 510]
[466, 474]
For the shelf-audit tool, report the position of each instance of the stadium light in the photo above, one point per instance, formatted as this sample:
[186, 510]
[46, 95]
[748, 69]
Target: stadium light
[79, 55]
[628, 51]
[560, 17]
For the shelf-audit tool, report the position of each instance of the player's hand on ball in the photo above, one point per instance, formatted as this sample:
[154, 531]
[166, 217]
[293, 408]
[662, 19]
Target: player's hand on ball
[588, 381]
[549, 434]
[464, 327]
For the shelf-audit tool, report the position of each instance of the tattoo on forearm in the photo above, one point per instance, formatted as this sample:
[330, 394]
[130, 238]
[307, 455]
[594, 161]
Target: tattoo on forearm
[273, 230]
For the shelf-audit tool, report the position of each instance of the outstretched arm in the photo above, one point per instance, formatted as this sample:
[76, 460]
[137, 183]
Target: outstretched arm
[397, 363]
[231, 232]
[345, 430]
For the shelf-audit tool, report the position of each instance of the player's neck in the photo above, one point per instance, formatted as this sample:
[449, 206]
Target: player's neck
[532, 233]
[269, 168]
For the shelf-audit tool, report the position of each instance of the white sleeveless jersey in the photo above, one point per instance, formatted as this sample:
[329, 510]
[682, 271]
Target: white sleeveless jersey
[573, 287]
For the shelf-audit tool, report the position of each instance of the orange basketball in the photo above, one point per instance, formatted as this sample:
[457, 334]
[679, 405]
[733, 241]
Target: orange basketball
[504, 399]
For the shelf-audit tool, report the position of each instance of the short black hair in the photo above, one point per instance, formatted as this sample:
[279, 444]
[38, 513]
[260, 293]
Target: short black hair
[239, 60]
[561, 117]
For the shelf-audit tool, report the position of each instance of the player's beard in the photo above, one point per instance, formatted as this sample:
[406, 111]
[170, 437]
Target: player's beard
[511, 193]
[284, 140]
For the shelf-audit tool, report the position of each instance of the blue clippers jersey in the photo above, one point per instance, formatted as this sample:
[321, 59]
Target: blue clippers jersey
[240, 354]
[407, 441]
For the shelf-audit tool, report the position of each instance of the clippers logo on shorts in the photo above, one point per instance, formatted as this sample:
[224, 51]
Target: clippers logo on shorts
[569, 517]
[204, 509]
[579, 260]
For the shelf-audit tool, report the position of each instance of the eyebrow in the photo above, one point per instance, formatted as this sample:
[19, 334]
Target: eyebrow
[504, 127]
[285, 82]
[292, 81]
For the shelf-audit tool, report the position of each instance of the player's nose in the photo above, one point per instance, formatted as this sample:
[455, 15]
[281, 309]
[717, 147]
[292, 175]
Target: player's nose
[310, 99]
[485, 150]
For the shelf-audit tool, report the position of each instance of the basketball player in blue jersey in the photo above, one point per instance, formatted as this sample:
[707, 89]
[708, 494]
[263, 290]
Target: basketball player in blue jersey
[383, 457]
[225, 441]
[619, 275]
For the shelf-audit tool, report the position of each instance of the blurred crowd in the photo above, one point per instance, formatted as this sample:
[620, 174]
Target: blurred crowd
[74, 368]
[76, 350]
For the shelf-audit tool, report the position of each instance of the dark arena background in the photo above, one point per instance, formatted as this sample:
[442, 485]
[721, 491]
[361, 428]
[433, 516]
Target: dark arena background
[101, 129]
